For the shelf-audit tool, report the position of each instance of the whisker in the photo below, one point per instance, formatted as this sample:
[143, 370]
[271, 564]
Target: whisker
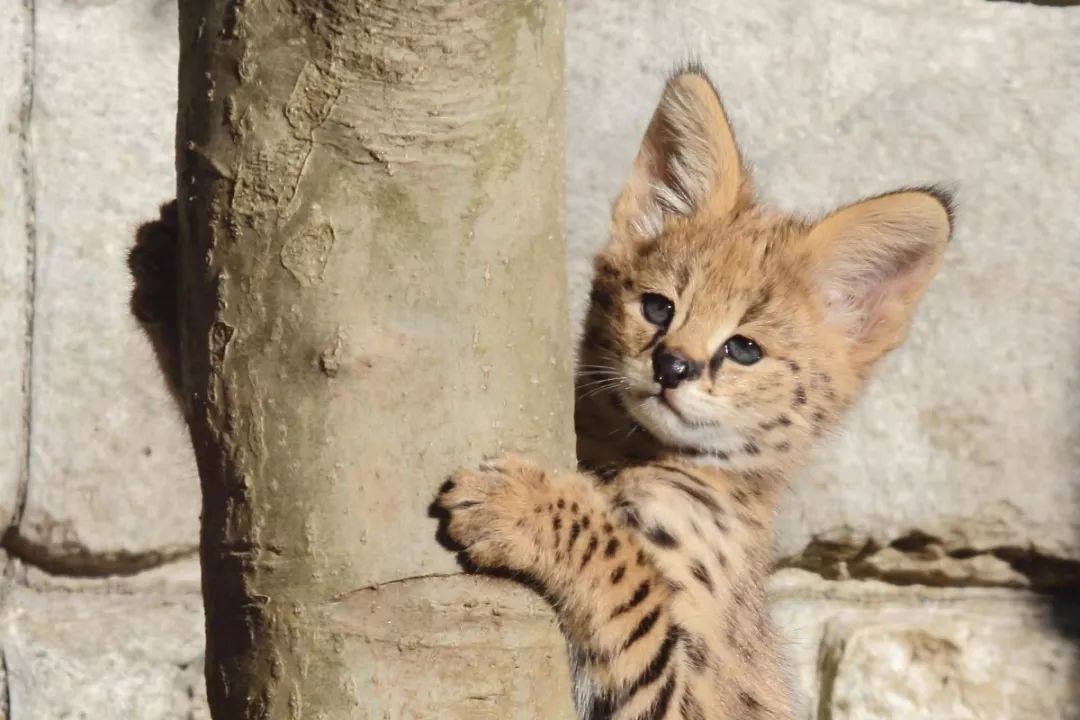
[603, 385]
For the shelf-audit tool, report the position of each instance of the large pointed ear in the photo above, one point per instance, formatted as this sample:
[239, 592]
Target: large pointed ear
[873, 260]
[688, 162]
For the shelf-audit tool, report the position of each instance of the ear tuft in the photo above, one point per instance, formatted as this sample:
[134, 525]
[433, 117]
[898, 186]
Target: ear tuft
[944, 194]
[873, 260]
[688, 161]
[692, 66]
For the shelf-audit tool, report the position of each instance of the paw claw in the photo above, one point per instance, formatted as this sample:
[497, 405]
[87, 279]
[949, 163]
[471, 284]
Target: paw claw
[483, 507]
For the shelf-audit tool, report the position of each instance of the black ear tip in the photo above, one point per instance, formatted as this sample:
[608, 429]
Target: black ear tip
[946, 195]
[692, 66]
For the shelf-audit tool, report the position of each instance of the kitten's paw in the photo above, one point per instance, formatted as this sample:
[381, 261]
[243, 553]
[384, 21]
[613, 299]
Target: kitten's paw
[488, 511]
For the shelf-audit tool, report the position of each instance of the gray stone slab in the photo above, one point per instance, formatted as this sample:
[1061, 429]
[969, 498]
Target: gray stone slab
[971, 434]
[112, 475]
[83, 655]
[14, 250]
[182, 577]
[871, 651]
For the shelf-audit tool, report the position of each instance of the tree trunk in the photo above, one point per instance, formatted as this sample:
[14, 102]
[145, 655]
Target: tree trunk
[373, 294]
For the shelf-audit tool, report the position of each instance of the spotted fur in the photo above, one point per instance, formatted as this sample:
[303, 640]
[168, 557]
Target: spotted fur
[655, 554]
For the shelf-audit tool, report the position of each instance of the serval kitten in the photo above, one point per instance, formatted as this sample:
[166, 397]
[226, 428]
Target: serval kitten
[723, 340]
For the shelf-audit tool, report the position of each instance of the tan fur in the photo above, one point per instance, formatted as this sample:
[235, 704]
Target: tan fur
[655, 558]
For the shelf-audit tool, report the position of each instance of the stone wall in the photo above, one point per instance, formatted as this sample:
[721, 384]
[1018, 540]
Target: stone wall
[919, 554]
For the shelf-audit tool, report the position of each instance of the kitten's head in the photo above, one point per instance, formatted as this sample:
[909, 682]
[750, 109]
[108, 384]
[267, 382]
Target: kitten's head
[726, 329]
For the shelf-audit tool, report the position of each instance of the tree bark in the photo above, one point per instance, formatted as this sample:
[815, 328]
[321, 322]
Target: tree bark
[373, 292]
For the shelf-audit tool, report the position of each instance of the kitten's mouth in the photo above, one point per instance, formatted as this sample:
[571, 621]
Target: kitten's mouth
[662, 398]
[665, 399]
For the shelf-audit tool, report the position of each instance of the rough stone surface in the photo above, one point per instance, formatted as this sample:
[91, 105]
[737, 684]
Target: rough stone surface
[83, 655]
[872, 651]
[14, 248]
[838, 99]
[112, 479]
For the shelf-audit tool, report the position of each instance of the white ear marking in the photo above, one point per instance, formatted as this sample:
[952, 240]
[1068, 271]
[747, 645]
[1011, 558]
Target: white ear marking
[875, 258]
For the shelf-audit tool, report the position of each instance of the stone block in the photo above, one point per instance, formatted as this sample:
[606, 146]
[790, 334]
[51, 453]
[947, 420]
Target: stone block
[84, 655]
[15, 270]
[872, 651]
[112, 479]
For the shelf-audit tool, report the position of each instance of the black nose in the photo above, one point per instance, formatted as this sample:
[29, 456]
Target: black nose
[671, 368]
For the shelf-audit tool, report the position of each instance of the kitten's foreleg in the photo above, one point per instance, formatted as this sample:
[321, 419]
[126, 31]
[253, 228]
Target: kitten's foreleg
[562, 531]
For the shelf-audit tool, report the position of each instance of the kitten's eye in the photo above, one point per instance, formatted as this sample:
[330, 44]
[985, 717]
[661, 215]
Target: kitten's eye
[657, 309]
[742, 350]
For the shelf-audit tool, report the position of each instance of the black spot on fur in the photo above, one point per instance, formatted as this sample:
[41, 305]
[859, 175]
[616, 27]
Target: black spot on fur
[663, 700]
[589, 550]
[800, 396]
[640, 593]
[690, 708]
[679, 471]
[575, 530]
[697, 653]
[750, 702]
[658, 663]
[660, 536]
[643, 627]
[617, 574]
[701, 574]
[611, 548]
[701, 496]
[767, 425]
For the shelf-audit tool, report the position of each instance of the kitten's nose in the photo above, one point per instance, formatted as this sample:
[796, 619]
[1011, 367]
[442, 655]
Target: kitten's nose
[671, 368]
